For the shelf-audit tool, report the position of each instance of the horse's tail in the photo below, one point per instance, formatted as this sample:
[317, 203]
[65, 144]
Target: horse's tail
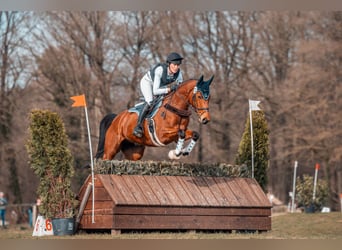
[104, 125]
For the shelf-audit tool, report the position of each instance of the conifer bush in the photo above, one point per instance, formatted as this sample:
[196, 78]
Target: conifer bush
[52, 162]
[261, 148]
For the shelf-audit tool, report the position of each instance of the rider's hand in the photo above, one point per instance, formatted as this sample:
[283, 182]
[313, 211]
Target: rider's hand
[173, 87]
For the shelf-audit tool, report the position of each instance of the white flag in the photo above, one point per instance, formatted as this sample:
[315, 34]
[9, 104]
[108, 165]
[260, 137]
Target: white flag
[253, 105]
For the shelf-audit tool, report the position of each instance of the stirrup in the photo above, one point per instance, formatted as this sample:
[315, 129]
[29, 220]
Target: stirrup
[138, 132]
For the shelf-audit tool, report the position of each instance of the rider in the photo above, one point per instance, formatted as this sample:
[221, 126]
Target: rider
[155, 82]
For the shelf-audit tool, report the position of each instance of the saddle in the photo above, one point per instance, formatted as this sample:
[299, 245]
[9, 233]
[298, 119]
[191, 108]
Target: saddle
[155, 105]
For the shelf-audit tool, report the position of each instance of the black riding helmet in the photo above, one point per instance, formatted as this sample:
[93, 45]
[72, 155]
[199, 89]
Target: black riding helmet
[174, 58]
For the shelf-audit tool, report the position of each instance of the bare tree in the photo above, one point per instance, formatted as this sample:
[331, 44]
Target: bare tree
[132, 40]
[316, 90]
[74, 61]
[15, 64]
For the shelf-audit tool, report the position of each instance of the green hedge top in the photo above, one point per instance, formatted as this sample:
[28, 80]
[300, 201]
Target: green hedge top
[169, 168]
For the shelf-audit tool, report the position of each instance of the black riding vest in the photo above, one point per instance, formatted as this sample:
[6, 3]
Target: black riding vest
[164, 80]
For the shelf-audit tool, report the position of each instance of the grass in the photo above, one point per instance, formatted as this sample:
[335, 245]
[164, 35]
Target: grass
[284, 226]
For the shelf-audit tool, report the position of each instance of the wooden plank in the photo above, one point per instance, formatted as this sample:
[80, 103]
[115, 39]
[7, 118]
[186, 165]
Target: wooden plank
[249, 193]
[83, 188]
[191, 186]
[213, 211]
[170, 192]
[101, 194]
[232, 185]
[100, 211]
[146, 190]
[258, 192]
[195, 197]
[158, 190]
[180, 191]
[99, 205]
[101, 222]
[124, 189]
[191, 222]
[228, 192]
[215, 189]
[112, 190]
[135, 190]
[97, 181]
[204, 189]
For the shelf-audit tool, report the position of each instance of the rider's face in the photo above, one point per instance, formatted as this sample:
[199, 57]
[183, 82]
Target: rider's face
[174, 68]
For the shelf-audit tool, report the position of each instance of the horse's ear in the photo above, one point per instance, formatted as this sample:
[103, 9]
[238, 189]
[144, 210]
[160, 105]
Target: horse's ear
[210, 80]
[200, 79]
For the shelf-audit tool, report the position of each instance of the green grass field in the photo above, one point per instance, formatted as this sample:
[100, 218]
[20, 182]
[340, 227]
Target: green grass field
[284, 226]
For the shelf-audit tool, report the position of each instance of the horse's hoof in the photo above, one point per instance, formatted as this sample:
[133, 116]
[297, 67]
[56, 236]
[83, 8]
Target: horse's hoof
[172, 155]
[186, 153]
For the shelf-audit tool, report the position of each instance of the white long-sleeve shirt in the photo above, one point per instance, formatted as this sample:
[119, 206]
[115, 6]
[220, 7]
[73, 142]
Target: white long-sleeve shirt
[150, 88]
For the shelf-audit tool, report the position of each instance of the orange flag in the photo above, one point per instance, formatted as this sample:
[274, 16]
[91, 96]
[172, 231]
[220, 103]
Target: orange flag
[79, 101]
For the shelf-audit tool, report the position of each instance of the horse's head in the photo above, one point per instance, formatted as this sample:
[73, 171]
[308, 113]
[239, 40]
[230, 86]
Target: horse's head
[200, 99]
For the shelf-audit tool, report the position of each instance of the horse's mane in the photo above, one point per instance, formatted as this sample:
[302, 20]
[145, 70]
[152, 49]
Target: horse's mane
[186, 83]
[189, 80]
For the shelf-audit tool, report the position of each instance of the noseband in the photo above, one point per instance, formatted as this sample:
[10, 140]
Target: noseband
[186, 113]
[194, 101]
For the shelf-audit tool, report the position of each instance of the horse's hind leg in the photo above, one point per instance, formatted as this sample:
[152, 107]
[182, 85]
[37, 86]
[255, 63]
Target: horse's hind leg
[112, 146]
[131, 151]
[110, 154]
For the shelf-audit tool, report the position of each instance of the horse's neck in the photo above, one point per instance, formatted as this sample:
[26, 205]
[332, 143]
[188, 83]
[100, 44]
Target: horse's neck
[179, 100]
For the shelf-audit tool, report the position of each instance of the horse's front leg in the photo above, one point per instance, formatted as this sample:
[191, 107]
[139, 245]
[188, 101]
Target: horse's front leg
[183, 136]
[176, 153]
[194, 137]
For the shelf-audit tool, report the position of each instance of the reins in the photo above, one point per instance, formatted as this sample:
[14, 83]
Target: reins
[180, 112]
[173, 109]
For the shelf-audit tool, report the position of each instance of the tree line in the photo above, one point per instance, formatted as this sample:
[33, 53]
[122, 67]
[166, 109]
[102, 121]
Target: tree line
[288, 60]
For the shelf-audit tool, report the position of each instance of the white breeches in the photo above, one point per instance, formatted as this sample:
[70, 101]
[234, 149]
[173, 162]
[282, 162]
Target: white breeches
[146, 89]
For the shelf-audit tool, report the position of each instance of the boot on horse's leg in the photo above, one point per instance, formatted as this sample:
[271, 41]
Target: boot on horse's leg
[192, 143]
[138, 130]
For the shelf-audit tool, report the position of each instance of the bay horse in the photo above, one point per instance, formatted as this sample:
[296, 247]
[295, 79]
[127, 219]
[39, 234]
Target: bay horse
[164, 124]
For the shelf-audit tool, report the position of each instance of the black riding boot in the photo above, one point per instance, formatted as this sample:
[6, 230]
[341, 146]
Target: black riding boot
[138, 130]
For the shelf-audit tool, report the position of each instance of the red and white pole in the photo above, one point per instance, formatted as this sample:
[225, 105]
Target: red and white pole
[315, 182]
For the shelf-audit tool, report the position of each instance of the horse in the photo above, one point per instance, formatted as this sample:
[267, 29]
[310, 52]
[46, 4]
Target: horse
[167, 122]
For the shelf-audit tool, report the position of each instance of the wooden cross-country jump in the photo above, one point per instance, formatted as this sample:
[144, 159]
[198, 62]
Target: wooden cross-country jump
[143, 202]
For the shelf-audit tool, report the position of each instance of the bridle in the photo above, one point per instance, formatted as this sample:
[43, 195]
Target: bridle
[194, 103]
[186, 113]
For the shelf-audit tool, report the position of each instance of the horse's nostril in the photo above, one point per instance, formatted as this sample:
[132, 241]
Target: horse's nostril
[205, 121]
